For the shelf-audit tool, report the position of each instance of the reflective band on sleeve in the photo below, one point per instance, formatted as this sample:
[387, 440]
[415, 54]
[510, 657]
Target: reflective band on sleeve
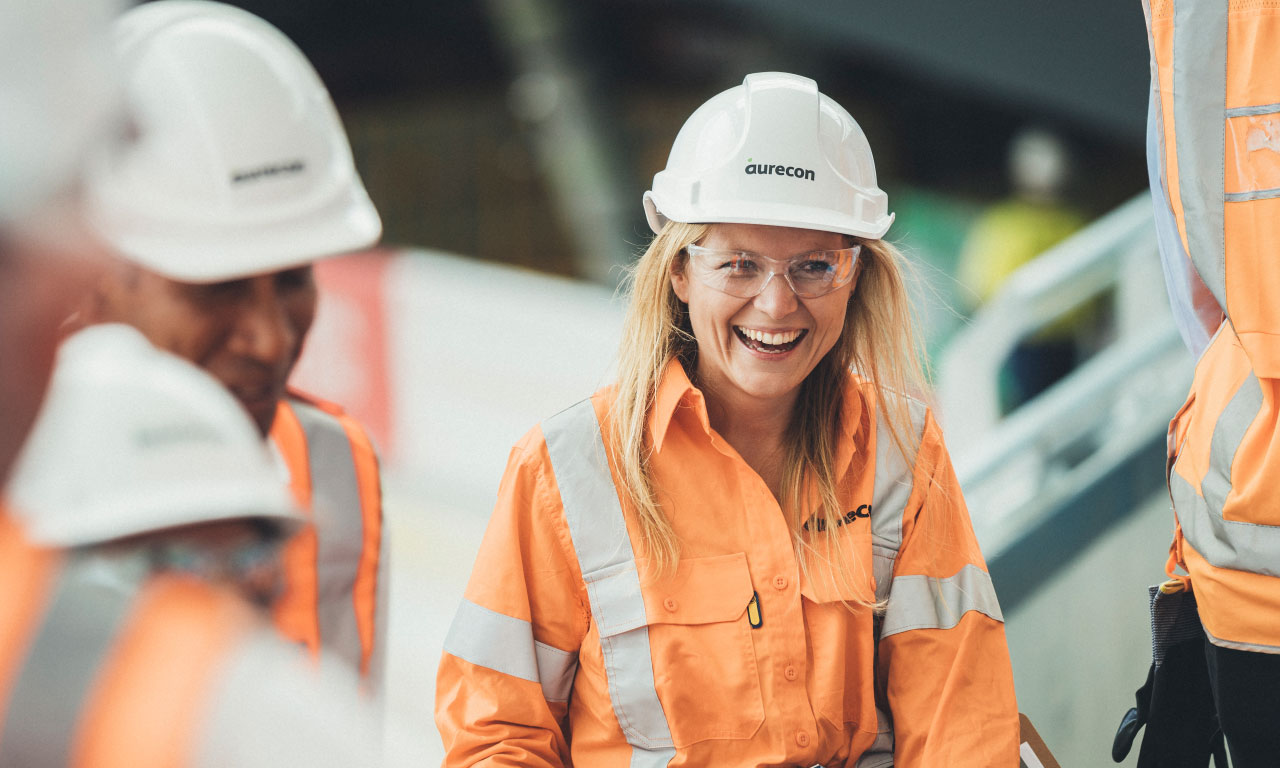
[1173, 257]
[1199, 107]
[1253, 111]
[1258, 194]
[893, 485]
[339, 525]
[505, 644]
[923, 602]
[607, 561]
[1226, 543]
[70, 648]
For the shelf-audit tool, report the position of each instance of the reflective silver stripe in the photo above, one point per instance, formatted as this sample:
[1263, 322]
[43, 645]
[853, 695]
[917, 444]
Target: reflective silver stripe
[923, 602]
[339, 524]
[1226, 543]
[1173, 257]
[1199, 104]
[505, 644]
[66, 656]
[893, 485]
[1262, 109]
[1257, 194]
[1254, 647]
[605, 556]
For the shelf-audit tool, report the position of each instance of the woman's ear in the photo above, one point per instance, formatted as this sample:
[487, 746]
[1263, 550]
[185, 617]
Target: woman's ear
[679, 280]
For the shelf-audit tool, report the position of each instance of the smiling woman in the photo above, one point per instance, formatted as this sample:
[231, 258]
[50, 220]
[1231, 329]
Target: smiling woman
[752, 549]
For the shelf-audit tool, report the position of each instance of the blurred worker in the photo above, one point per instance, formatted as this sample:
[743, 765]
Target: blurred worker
[741, 553]
[1214, 158]
[1010, 234]
[135, 642]
[57, 102]
[241, 179]
[176, 689]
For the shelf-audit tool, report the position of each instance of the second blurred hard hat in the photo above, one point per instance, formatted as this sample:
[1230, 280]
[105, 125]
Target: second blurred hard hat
[771, 151]
[242, 165]
[133, 440]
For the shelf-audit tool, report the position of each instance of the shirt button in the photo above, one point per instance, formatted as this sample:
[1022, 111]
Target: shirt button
[670, 604]
[802, 738]
[790, 673]
[779, 582]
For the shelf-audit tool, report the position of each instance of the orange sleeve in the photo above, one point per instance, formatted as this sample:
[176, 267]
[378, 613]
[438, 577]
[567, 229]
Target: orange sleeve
[949, 682]
[503, 684]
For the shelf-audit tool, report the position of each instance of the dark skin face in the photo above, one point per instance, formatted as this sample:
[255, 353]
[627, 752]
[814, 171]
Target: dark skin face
[246, 333]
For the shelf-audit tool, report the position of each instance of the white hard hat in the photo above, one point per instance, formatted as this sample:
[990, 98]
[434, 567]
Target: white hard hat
[242, 167]
[771, 151]
[57, 95]
[134, 440]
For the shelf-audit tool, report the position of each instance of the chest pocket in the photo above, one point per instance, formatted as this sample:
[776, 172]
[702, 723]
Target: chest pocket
[704, 662]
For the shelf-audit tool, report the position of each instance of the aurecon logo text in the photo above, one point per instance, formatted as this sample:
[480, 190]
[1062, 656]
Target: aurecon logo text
[277, 169]
[779, 170]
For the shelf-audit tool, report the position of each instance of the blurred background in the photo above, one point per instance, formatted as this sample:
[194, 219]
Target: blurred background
[507, 144]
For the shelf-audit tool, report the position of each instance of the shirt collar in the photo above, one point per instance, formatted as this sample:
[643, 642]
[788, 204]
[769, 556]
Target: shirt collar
[675, 390]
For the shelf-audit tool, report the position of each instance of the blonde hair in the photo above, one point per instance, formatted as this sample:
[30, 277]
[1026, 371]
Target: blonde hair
[878, 342]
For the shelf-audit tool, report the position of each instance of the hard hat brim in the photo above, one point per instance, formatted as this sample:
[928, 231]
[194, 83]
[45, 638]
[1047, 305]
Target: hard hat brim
[209, 253]
[769, 214]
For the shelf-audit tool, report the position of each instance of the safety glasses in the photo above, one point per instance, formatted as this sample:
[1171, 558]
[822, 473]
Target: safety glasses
[745, 274]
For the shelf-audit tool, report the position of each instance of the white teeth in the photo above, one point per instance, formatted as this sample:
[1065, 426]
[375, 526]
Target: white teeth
[772, 339]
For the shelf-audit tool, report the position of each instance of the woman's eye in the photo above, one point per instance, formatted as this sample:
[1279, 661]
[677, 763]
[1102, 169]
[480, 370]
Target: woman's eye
[739, 265]
[814, 267]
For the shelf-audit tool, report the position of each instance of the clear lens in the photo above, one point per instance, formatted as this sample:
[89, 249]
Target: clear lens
[745, 274]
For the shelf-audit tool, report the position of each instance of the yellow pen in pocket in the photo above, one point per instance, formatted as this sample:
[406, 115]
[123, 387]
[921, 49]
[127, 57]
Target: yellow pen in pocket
[753, 611]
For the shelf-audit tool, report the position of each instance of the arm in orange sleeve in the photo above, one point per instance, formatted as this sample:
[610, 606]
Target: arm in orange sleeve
[943, 655]
[503, 686]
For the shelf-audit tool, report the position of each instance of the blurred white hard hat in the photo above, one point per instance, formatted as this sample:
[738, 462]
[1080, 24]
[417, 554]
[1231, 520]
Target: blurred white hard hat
[771, 151]
[134, 440]
[242, 166]
[57, 95]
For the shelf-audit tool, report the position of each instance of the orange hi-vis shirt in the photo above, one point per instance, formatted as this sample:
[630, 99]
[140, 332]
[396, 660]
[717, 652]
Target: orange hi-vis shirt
[336, 567]
[105, 666]
[1223, 446]
[569, 650]
[1214, 155]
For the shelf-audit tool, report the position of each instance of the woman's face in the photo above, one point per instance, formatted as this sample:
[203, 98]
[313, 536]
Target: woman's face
[734, 362]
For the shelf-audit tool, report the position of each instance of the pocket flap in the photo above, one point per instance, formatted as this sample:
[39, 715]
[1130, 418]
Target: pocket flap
[703, 590]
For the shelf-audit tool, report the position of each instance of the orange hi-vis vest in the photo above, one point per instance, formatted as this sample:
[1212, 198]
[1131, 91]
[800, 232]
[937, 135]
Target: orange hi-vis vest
[568, 649]
[336, 567]
[104, 664]
[1214, 157]
[95, 677]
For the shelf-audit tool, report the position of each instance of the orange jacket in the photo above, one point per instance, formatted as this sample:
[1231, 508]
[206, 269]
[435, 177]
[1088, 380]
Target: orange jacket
[1223, 445]
[546, 666]
[102, 666]
[1215, 166]
[335, 568]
